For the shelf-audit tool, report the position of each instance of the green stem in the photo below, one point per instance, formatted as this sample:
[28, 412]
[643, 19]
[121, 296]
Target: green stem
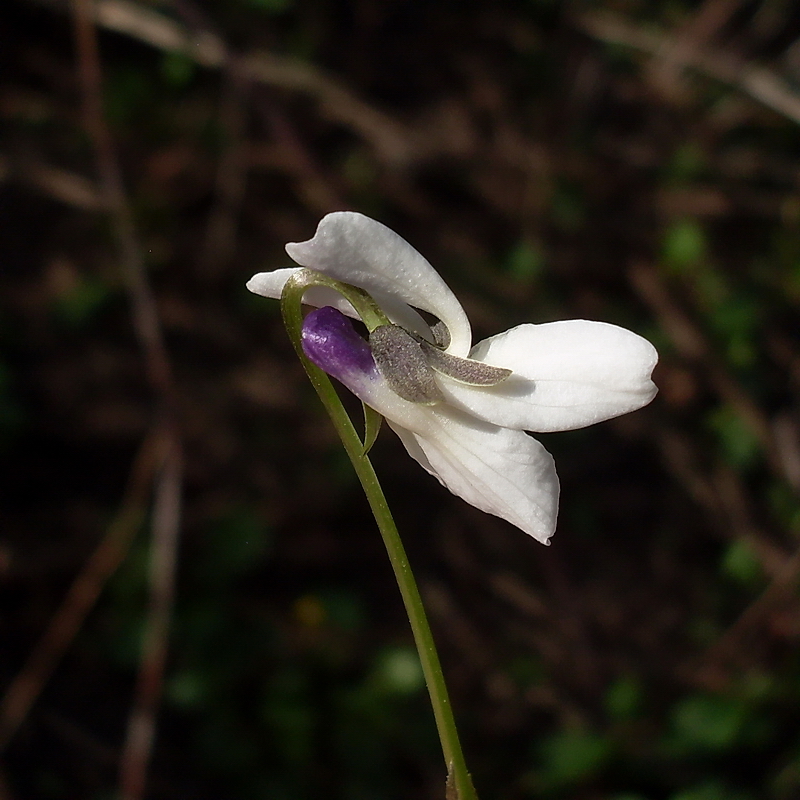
[458, 776]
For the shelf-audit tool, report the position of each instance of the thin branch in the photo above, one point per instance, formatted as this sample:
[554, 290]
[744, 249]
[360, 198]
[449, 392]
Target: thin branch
[58, 184]
[167, 505]
[388, 137]
[729, 646]
[83, 593]
[145, 315]
[141, 727]
[759, 83]
[692, 344]
[231, 180]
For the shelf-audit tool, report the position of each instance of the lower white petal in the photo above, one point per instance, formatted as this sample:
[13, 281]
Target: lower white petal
[567, 375]
[502, 472]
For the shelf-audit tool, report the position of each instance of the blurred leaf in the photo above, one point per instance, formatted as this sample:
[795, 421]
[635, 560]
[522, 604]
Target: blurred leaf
[234, 544]
[567, 207]
[177, 69]
[711, 790]
[739, 444]
[623, 699]
[398, 671]
[687, 163]
[128, 91]
[82, 300]
[570, 757]
[740, 563]
[684, 244]
[708, 721]
[525, 262]
[344, 609]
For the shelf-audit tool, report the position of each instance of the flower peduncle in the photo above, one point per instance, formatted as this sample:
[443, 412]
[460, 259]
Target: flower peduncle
[304, 279]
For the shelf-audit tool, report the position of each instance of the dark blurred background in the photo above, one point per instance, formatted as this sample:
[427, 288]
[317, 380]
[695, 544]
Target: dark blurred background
[625, 161]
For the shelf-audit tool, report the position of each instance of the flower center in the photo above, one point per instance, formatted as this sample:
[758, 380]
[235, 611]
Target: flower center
[409, 363]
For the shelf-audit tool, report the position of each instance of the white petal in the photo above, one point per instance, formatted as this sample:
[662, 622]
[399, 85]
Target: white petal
[270, 284]
[567, 375]
[358, 250]
[503, 472]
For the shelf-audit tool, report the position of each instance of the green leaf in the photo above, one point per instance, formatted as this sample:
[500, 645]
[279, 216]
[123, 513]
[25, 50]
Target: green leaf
[684, 244]
[709, 722]
[571, 756]
[741, 564]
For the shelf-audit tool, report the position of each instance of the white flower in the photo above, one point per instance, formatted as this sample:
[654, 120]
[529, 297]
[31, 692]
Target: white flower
[564, 375]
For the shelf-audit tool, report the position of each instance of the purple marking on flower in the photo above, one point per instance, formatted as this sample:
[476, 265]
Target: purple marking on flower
[333, 344]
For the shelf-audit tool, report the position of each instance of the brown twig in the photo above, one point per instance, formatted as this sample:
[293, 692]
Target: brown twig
[759, 83]
[690, 38]
[728, 647]
[166, 513]
[388, 137]
[692, 344]
[59, 184]
[83, 593]
[220, 239]
[141, 727]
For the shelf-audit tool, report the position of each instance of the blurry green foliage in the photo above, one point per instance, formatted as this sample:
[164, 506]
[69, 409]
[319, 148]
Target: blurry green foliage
[684, 244]
[738, 443]
[568, 206]
[526, 262]
[740, 563]
[129, 92]
[624, 698]
[570, 757]
[710, 722]
[234, 544]
[526, 670]
[711, 790]
[785, 505]
[82, 300]
[398, 671]
[687, 163]
[177, 69]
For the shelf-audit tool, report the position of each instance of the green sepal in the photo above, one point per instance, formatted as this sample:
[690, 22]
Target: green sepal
[372, 426]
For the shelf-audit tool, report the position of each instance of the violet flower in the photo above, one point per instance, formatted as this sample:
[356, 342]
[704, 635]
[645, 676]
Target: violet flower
[462, 411]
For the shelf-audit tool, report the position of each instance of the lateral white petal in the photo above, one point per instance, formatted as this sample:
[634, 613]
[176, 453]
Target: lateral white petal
[502, 472]
[270, 284]
[358, 250]
[567, 375]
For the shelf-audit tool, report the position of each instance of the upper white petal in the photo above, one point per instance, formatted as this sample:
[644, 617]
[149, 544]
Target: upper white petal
[567, 375]
[358, 250]
[503, 472]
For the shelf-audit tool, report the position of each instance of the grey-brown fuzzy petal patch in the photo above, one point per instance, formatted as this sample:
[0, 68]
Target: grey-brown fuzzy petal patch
[464, 370]
[402, 362]
[441, 335]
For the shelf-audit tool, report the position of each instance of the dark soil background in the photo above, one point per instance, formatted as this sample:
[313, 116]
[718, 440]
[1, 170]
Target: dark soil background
[632, 162]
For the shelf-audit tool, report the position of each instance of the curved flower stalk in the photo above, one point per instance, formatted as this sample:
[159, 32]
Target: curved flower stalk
[461, 411]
